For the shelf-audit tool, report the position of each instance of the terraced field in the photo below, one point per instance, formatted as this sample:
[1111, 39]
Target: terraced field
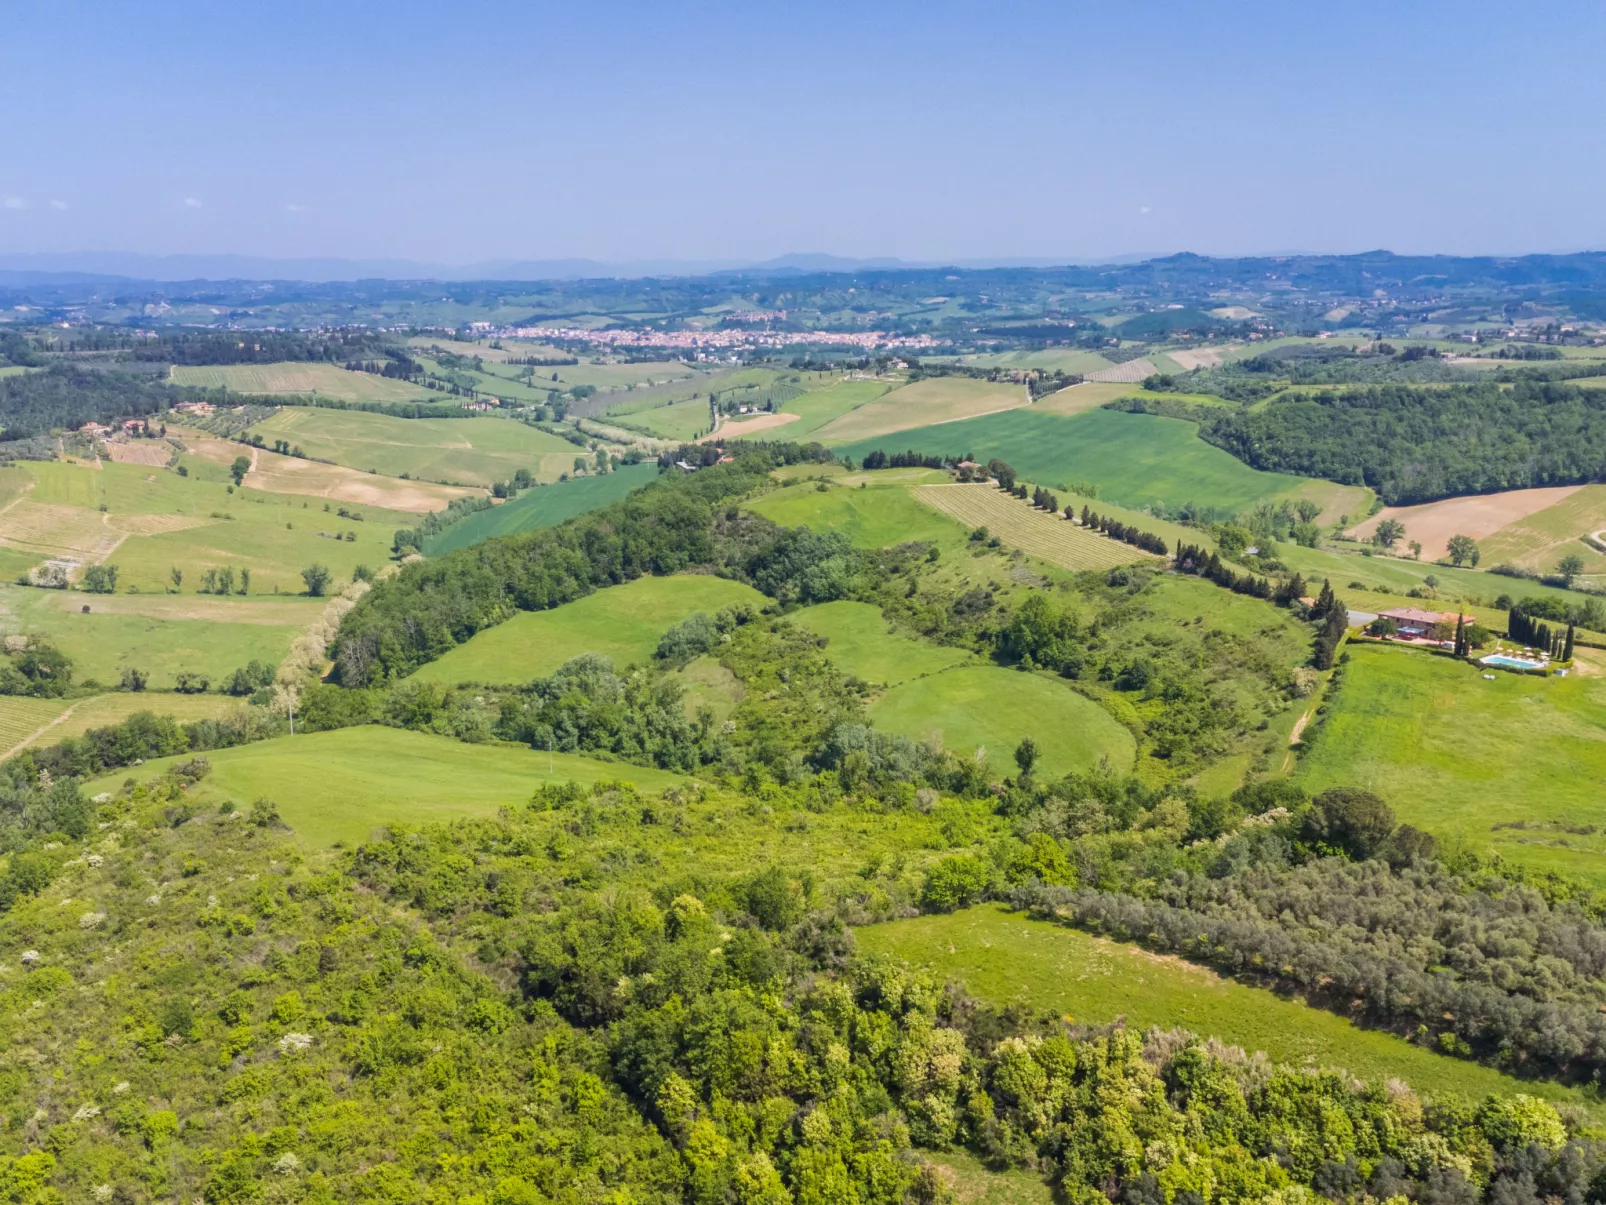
[1056, 540]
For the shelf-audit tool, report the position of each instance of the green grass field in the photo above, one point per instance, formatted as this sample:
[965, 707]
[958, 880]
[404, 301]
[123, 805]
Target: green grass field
[113, 708]
[1513, 765]
[326, 380]
[984, 707]
[162, 635]
[465, 451]
[920, 405]
[544, 507]
[341, 786]
[621, 622]
[21, 717]
[1005, 957]
[822, 406]
[861, 644]
[1052, 359]
[1539, 541]
[1398, 575]
[678, 421]
[879, 512]
[1134, 459]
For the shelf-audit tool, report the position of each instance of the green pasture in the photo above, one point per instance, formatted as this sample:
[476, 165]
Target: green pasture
[466, 451]
[340, 786]
[21, 717]
[1513, 764]
[821, 406]
[621, 622]
[546, 506]
[1397, 575]
[976, 707]
[861, 644]
[326, 380]
[198, 635]
[678, 421]
[1135, 459]
[1006, 958]
[871, 515]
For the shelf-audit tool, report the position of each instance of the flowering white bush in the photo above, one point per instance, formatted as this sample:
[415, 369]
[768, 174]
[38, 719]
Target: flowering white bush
[286, 1164]
[29, 957]
[294, 1041]
[95, 861]
[85, 1112]
[120, 1088]
[91, 920]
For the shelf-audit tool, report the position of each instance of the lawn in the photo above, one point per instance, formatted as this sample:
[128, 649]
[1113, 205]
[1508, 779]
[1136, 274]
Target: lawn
[546, 506]
[161, 635]
[934, 400]
[985, 707]
[341, 786]
[460, 451]
[326, 380]
[1005, 957]
[621, 622]
[1512, 765]
[1135, 459]
[871, 515]
[861, 644]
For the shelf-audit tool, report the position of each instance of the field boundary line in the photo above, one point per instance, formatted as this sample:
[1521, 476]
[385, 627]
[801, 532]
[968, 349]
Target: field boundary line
[35, 735]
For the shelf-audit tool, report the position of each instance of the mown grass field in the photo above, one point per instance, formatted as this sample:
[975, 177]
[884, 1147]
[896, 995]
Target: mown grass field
[1054, 538]
[1005, 957]
[21, 717]
[201, 635]
[461, 451]
[97, 711]
[544, 507]
[1540, 540]
[871, 515]
[341, 786]
[1398, 575]
[935, 400]
[326, 380]
[975, 707]
[621, 622]
[1513, 765]
[861, 644]
[678, 421]
[156, 521]
[1134, 459]
[820, 407]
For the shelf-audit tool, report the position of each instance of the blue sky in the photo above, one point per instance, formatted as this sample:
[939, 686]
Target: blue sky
[457, 133]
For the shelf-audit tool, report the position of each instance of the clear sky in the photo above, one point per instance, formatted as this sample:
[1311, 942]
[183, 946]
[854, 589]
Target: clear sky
[926, 130]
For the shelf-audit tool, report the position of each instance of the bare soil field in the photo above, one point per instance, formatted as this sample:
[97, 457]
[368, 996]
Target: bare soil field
[1055, 539]
[153, 452]
[1477, 515]
[743, 427]
[1129, 373]
[1188, 359]
[1539, 540]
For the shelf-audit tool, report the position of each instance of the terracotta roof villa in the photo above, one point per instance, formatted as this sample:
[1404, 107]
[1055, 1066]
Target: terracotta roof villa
[1412, 624]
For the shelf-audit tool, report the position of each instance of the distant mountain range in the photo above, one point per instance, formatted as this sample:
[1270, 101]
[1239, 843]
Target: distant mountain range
[80, 266]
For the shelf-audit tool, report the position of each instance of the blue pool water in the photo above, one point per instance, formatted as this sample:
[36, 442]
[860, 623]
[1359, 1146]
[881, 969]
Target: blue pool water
[1513, 662]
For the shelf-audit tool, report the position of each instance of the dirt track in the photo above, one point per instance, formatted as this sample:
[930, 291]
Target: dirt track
[1479, 515]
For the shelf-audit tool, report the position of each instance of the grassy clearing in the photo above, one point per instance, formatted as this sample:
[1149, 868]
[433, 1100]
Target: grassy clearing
[861, 644]
[1052, 537]
[621, 622]
[1135, 459]
[707, 683]
[1539, 540]
[341, 786]
[1004, 958]
[1339, 503]
[983, 707]
[871, 515]
[326, 380]
[972, 1183]
[106, 641]
[462, 451]
[935, 400]
[1398, 575]
[544, 507]
[1514, 764]
[20, 718]
[820, 407]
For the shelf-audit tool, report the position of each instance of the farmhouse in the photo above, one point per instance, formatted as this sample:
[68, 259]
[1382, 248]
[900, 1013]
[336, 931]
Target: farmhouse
[1412, 624]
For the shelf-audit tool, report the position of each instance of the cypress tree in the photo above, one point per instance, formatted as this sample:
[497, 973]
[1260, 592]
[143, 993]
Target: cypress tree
[1567, 647]
[1460, 635]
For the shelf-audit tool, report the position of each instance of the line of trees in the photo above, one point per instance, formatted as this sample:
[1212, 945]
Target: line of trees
[904, 460]
[1536, 634]
[1125, 532]
[1208, 564]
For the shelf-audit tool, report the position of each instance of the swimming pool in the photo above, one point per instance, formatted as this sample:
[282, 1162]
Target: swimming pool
[1511, 662]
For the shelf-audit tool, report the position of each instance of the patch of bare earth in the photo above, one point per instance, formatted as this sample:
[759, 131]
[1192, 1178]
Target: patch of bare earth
[740, 428]
[1188, 359]
[1479, 515]
[156, 454]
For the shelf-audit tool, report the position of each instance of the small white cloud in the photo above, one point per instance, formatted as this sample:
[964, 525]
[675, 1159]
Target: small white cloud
[191, 203]
[292, 207]
[58, 205]
[16, 202]
[1144, 209]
